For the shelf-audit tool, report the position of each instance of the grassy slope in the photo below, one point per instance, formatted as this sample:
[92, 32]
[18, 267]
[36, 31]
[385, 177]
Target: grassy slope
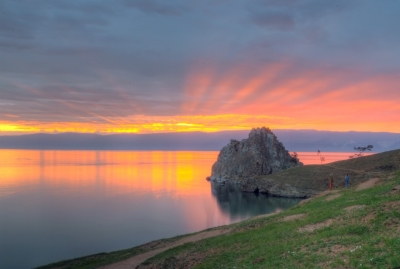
[359, 170]
[268, 242]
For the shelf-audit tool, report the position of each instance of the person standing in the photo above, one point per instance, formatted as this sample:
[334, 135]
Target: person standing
[330, 181]
[346, 180]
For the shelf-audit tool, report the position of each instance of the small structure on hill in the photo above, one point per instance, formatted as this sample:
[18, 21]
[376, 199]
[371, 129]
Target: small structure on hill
[260, 154]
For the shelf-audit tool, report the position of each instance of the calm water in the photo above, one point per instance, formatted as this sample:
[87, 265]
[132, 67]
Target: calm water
[58, 205]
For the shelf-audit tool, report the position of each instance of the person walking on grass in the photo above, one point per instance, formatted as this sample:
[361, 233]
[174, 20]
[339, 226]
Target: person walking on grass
[346, 180]
[331, 181]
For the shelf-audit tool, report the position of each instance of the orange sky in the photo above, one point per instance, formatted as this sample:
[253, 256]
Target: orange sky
[310, 99]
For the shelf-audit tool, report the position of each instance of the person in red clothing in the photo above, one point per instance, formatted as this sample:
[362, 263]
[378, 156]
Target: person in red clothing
[330, 181]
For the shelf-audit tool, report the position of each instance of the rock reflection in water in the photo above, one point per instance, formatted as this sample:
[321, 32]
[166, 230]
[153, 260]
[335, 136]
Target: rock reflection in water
[242, 205]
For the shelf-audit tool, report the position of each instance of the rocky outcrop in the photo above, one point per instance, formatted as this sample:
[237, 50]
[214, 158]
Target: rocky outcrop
[260, 154]
[301, 181]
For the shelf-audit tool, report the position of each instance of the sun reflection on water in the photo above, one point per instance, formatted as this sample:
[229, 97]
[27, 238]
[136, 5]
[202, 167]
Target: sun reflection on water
[103, 201]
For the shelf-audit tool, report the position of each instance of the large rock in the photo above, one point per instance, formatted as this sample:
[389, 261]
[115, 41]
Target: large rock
[260, 154]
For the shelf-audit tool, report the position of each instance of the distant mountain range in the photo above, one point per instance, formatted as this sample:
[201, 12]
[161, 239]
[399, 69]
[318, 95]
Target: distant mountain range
[293, 140]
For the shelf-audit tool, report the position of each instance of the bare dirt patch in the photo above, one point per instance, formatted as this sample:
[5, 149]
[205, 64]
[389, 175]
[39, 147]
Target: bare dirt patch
[312, 227]
[368, 217]
[267, 215]
[332, 250]
[333, 197]
[293, 217]
[354, 207]
[392, 223]
[138, 259]
[335, 249]
[258, 260]
[256, 225]
[393, 205]
[367, 184]
[321, 194]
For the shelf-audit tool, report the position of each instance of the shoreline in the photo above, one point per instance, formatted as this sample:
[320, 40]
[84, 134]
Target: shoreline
[157, 246]
[385, 165]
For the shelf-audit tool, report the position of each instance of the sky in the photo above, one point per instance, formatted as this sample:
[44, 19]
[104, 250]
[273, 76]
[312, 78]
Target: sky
[149, 66]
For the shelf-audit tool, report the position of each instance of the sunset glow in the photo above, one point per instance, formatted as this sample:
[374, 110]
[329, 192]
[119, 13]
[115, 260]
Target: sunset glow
[318, 99]
[171, 172]
[285, 65]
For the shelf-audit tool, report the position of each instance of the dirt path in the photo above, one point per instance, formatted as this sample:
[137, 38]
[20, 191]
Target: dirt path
[367, 184]
[377, 173]
[333, 197]
[138, 259]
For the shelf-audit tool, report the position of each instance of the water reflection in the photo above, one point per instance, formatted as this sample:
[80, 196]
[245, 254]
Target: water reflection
[57, 205]
[242, 205]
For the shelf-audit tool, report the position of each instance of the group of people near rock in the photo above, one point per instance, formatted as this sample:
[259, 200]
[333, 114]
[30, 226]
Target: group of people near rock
[346, 181]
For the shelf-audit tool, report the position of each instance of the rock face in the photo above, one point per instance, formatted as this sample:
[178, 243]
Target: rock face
[260, 154]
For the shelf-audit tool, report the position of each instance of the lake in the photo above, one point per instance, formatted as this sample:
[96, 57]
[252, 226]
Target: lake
[57, 205]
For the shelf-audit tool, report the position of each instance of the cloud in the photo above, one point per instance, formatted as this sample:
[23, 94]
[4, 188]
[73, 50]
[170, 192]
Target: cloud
[281, 19]
[100, 61]
[157, 6]
[17, 25]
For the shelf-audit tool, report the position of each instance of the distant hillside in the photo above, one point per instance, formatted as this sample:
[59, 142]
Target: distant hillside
[311, 140]
[293, 140]
[309, 180]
